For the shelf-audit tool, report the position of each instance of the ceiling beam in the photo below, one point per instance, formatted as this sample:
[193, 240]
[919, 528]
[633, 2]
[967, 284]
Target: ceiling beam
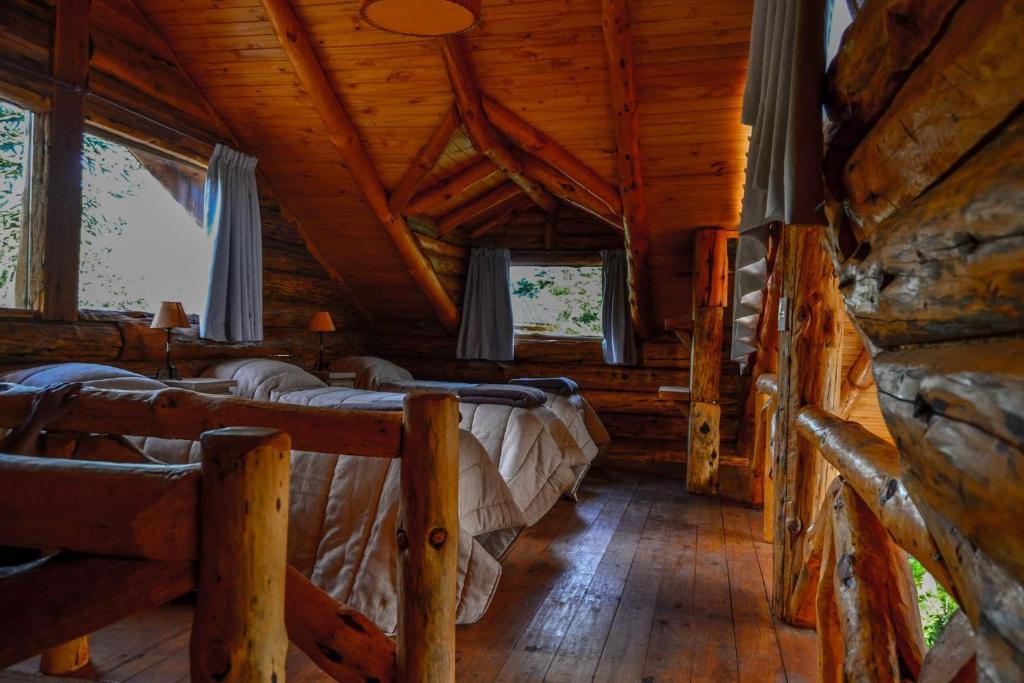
[477, 207]
[569, 190]
[618, 40]
[502, 218]
[546, 149]
[424, 162]
[449, 186]
[297, 46]
[481, 134]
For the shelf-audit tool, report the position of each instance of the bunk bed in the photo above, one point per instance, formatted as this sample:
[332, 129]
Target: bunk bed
[533, 450]
[133, 536]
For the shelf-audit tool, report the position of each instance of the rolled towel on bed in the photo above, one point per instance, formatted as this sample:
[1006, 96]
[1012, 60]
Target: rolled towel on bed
[563, 386]
[503, 395]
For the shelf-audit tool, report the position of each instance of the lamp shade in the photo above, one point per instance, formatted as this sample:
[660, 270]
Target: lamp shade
[422, 17]
[171, 314]
[321, 322]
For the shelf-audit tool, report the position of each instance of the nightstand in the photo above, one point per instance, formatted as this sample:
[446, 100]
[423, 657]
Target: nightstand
[205, 385]
[337, 379]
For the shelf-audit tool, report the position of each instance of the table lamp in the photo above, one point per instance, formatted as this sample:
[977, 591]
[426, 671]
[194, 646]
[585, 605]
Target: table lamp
[321, 323]
[170, 316]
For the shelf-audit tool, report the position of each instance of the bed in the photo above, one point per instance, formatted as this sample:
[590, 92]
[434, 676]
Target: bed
[343, 510]
[533, 450]
[579, 417]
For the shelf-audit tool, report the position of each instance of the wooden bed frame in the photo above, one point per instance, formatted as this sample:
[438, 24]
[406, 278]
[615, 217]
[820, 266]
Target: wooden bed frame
[131, 537]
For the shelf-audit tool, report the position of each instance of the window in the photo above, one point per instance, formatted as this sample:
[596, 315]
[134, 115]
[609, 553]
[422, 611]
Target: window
[558, 300]
[140, 244]
[14, 155]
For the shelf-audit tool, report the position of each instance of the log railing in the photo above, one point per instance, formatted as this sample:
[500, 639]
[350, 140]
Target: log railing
[133, 536]
[855, 584]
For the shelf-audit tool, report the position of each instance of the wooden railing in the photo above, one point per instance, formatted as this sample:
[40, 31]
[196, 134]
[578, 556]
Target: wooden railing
[133, 536]
[855, 584]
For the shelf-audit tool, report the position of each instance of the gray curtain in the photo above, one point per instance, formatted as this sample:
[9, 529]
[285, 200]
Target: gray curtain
[234, 305]
[487, 330]
[619, 344]
[782, 104]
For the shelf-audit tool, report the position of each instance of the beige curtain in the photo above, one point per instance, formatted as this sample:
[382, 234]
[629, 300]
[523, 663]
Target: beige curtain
[782, 105]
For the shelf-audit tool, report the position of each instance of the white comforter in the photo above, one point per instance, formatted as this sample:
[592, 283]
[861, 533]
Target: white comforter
[344, 509]
[532, 449]
[583, 423]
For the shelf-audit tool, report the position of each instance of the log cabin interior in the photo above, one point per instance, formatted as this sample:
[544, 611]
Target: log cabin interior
[512, 340]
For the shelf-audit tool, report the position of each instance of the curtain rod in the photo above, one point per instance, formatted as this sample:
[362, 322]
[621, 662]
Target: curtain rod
[96, 96]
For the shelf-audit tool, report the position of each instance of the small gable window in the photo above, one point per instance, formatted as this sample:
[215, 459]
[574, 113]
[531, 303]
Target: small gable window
[142, 235]
[556, 300]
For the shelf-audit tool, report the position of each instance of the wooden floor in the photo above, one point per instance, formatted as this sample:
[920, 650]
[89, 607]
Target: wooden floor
[636, 582]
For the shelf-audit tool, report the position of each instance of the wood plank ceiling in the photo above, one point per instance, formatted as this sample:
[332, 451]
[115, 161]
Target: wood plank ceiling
[545, 60]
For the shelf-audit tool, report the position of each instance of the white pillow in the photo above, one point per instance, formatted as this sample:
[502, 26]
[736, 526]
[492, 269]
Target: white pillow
[89, 374]
[264, 379]
[372, 373]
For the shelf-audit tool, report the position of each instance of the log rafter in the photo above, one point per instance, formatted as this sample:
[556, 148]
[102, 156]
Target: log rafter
[423, 162]
[299, 49]
[618, 40]
[500, 196]
[481, 134]
[502, 218]
[451, 185]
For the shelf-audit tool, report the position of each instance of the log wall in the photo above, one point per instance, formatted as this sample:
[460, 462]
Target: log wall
[139, 91]
[925, 171]
[644, 428]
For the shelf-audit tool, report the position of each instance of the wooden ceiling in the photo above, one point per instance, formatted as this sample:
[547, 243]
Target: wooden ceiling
[545, 60]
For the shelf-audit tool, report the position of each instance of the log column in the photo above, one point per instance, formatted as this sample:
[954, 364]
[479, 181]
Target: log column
[710, 286]
[238, 633]
[810, 360]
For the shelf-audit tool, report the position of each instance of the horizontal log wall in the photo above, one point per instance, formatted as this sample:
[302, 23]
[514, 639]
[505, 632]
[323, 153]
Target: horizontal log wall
[644, 428]
[132, 66]
[926, 174]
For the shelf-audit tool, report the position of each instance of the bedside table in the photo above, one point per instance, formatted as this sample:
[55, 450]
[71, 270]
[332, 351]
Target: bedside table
[205, 385]
[337, 379]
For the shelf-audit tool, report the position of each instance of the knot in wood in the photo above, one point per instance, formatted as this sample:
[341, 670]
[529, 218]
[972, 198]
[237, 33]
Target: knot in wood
[438, 536]
[793, 526]
[403, 540]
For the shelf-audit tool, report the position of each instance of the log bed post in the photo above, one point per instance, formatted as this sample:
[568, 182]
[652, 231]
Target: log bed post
[428, 538]
[710, 286]
[810, 360]
[238, 633]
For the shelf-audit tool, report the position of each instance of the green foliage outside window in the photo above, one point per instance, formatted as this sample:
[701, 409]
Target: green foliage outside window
[936, 605]
[13, 132]
[557, 300]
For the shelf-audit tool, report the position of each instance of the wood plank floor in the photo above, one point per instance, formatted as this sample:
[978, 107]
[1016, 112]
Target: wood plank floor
[638, 581]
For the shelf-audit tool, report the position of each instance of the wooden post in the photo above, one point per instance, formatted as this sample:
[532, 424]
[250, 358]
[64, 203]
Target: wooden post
[618, 41]
[57, 293]
[428, 538]
[238, 633]
[810, 360]
[710, 285]
[765, 360]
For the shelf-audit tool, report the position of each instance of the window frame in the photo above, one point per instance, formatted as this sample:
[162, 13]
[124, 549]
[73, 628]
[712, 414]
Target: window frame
[557, 259]
[101, 123]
